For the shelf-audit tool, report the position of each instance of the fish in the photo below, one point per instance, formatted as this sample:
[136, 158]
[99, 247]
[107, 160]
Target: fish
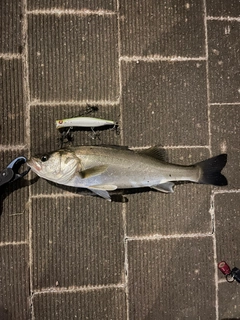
[106, 168]
[83, 122]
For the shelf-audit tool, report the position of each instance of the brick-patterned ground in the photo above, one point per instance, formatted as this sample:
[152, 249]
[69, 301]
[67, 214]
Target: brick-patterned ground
[168, 72]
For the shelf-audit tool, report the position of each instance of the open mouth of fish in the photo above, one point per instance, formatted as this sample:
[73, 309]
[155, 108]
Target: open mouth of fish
[34, 165]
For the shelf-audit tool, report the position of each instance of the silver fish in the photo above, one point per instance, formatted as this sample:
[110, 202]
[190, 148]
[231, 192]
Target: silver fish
[106, 168]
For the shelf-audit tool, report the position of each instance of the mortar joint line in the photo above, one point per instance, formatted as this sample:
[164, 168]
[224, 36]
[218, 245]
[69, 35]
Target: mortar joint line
[27, 127]
[172, 236]
[65, 194]
[207, 78]
[224, 103]
[119, 69]
[212, 209]
[153, 58]
[215, 192]
[212, 198]
[9, 56]
[82, 103]
[124, 209]
[126, 268]
[209, 18]
[83, 12]
[78, 289]
[13, 243]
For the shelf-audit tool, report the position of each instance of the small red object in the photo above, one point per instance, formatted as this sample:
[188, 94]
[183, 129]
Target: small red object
[224, 268]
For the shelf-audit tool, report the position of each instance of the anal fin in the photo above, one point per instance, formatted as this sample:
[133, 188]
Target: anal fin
[101, 193]
[166, 187]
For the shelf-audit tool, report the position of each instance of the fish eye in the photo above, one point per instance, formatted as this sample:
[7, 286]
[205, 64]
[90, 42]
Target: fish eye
[44, 158]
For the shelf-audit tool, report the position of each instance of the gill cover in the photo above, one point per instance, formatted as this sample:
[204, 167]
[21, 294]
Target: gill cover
[59, 166]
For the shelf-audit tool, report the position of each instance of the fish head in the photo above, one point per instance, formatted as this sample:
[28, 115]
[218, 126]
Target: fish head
[60, 166]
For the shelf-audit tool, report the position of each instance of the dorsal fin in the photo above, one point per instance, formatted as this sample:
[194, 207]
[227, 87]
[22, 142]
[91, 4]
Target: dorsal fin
[156, 152]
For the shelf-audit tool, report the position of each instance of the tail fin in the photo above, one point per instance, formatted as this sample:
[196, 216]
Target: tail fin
[211, 170]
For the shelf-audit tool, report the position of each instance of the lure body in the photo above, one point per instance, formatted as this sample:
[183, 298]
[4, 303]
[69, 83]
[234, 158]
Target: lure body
[83, 122]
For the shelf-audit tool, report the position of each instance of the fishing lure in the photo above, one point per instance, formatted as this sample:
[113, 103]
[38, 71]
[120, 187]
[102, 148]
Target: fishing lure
[83, 122]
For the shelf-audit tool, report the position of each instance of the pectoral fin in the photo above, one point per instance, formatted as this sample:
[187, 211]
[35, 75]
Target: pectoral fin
[94, 171]
[101, 193]
[166, 187]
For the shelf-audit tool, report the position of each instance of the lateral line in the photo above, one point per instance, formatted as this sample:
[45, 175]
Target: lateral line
[172, 147]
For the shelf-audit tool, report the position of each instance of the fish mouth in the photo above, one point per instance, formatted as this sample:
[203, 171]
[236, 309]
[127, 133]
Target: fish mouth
[34, 165]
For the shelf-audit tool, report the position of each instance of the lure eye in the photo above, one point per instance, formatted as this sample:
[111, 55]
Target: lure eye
[44, 158]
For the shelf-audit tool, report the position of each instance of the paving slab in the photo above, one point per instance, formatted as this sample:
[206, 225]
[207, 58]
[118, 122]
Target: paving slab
[12, 102]
[225, 129]
[14, 203]
[76, 242]
[185, 211]
[171, 279]
[97, 304]
[218, 8]
[14, 282]
[72, 4]
[11, 27]
[229, 300]
[162, 28]
[164, 103]
[223, 53]
[227, 228]
[58, 49]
